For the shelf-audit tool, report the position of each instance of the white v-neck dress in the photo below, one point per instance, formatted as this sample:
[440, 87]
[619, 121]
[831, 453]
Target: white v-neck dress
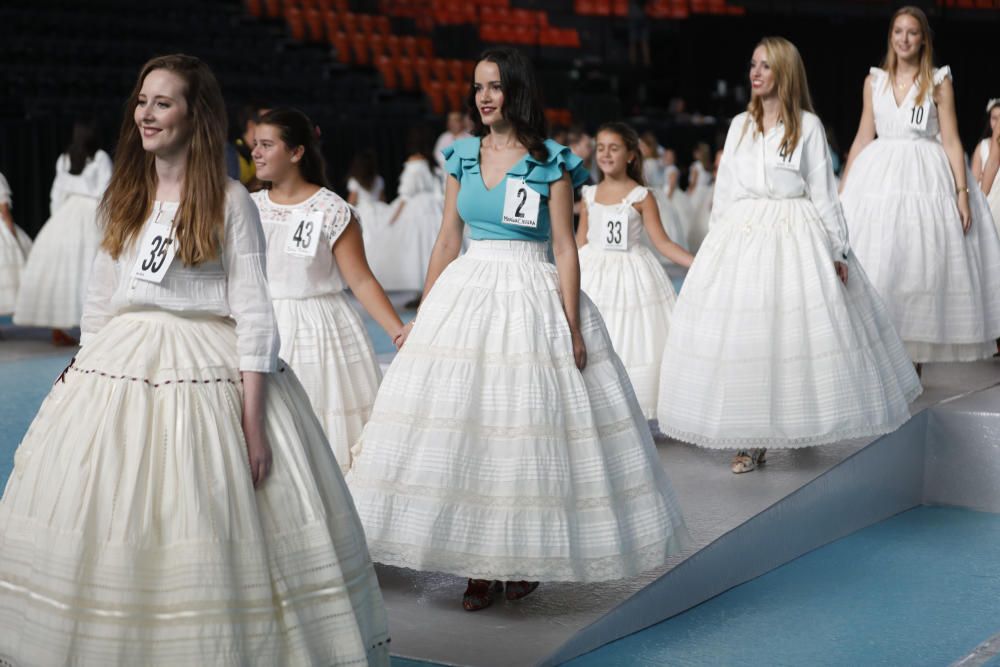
[941, 286]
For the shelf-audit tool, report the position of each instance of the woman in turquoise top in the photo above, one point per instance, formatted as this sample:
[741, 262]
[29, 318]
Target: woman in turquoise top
[506, 443]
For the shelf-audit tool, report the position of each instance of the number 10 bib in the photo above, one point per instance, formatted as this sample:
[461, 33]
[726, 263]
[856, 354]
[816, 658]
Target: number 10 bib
[520, 205]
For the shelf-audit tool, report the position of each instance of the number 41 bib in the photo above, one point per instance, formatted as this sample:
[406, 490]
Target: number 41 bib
[521, 204]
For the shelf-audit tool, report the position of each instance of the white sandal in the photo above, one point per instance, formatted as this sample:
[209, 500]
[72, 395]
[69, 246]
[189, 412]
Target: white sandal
[746, 462]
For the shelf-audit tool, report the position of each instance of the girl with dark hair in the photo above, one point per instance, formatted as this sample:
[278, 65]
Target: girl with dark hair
[922, 233]
[14, 247]
[778, 340]
[174, 501]
[986, 160]
[54, 281]
[617, 270]
[506, 444]
[315, 252]
[364, 184]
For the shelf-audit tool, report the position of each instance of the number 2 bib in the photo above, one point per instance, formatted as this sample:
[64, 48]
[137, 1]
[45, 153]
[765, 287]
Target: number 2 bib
[156, 252]
[304, 233]
[614, 230]
[520, 205]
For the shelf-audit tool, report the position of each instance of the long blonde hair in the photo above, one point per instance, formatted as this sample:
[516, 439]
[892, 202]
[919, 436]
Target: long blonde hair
[793, 91]
[128, 199]
[925, 73]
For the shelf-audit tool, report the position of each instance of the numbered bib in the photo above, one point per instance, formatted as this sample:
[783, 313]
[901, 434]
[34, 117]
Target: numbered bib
[520, 205]
[917, 116]
[304, 233]
[786, 160]
[156, 253]
[614, 230]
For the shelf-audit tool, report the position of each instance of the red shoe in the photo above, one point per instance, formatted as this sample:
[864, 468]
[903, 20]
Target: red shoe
[62, 339]
[479, 594]
[520, 589]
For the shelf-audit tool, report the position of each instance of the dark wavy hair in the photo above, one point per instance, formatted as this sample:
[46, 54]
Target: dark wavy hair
[364, 168]
[296, 129]
[522, 101]
[83, 145]
[631, 140]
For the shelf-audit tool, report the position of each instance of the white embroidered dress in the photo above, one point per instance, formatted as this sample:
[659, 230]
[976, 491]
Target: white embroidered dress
[14, 249]
[630, 289]
[767, 348]
[941, 286]
[55, 277]
[322, 336]
[130, 530]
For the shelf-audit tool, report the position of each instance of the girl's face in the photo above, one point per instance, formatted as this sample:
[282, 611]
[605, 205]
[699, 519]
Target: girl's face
[646, 149]
[669, 156]
[762, 83]
[489, 92]
[995, 121]
[161, 114]
[613, 157]
[907, 37]
[272, 157]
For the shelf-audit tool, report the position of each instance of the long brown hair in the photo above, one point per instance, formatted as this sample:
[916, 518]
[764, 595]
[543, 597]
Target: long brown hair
[630, 138]
[925, 74]
[128, 200]
[296, 129]
[793, 91]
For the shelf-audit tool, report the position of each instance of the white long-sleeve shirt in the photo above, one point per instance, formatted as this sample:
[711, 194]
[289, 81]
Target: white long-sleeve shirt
[91, 182]
[232, 285]
[753, 168]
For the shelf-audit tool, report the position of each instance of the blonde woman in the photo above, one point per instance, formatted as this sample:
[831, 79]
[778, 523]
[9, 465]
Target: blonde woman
[986, 160]
[777, 339]
[175, 501]
[922, 234]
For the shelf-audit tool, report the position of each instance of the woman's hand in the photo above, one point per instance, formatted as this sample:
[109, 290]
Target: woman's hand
[964, 212]
[841, 269]
[258, 451]
[579, 349]
[400, 338]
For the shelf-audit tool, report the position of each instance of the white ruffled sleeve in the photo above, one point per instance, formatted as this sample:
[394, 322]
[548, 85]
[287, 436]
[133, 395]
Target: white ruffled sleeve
[941, 73]
[101, 286]
[821, 185]
[244, 252]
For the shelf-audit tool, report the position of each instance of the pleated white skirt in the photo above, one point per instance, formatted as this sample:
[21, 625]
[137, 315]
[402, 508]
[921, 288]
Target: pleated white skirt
[767, 348]
[490, 455]
[14, 250]
[325, 343]
[54, 280]
[130, 531]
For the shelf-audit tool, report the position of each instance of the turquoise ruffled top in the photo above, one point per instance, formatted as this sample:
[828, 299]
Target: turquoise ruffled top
[482, 208]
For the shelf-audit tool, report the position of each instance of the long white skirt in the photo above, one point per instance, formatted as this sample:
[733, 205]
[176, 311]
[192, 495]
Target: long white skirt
[131, 534]
[767, 348]
[326, 344]
[941, 287]
[399, 242]
[490, 455]
[54, 280]
[635, 299]
[14, 250]
[673, 226]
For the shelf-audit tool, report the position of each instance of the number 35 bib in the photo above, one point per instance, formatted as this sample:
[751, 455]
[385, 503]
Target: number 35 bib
[156, 252]
[520, 205]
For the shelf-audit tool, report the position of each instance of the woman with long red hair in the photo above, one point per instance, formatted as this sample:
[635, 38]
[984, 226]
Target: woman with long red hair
[174, 501]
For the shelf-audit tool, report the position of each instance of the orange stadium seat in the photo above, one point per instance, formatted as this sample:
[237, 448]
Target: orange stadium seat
[387, 68]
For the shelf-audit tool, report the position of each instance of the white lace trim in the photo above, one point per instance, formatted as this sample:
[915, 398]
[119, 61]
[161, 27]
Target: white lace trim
[496, 432]
[517, 568]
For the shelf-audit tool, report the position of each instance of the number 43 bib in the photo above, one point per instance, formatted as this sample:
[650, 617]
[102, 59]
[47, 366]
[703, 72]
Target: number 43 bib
[520, 205]
[304, 233]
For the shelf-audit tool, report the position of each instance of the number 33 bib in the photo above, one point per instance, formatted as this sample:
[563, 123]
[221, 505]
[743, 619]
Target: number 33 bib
[520, 205]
